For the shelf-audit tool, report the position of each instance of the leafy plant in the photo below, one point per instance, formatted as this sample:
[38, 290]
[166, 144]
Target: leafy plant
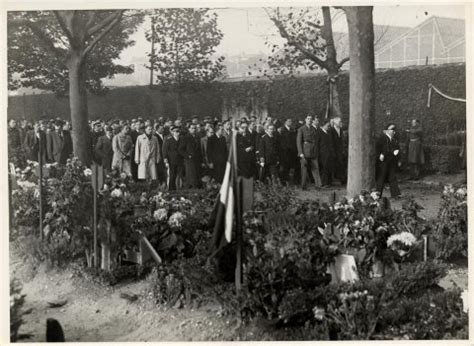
[450, 229]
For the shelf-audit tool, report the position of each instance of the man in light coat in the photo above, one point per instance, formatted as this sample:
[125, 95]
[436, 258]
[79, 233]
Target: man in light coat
[147, 154]
[122, 146]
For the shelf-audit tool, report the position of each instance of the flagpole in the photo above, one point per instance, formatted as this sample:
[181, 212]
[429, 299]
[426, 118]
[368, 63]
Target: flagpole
[238, 230]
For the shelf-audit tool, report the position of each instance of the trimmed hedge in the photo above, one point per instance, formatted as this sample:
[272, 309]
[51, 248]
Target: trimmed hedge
[402, 91]
[439, 158]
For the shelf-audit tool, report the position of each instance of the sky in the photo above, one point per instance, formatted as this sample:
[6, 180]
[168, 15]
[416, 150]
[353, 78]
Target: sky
[246, 29]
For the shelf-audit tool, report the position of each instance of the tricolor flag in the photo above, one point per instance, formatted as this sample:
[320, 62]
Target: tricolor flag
[224, 210]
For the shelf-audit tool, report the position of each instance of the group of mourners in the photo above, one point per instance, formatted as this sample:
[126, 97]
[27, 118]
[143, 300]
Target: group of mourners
[179, 154]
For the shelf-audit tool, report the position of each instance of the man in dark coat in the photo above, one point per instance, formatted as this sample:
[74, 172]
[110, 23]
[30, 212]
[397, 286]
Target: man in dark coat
[387, 154]
[246, 159]
[217, 154]
[173, 158]
[307, 141]
[103, 149]
[326, 154]
[15, 154]
[269, 153]
[191, 151]
[32, 143]
[289, 152]
[416, 157]
[137, 130]
[340, 164]
[59, 144]
[160, 166]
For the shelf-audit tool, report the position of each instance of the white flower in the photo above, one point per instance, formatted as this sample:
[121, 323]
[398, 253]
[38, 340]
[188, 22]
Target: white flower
[351, 201]
[123, 186]
[123, 175]
[337, 206]
[87, 172]
[461, 192]
[35, 164]
[176, 219]
[36, 193]
[375, 195]
[318, 313]
[357, 223]
[105, 187]
[406, 238]
[361, 198]
[116, 193]
[160, 214]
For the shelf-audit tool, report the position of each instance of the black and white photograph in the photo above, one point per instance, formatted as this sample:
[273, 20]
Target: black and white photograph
[237, 172]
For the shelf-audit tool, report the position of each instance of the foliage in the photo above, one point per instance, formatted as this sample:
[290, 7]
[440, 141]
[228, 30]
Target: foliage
[32, 34]
[68, 211]
[186, 39]
[17, 300]
[450, 229]
[273, 196]
[443, 158]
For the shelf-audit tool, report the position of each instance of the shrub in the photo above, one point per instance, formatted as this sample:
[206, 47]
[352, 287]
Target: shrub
[450, 230]
[17, 300]
[443, 158]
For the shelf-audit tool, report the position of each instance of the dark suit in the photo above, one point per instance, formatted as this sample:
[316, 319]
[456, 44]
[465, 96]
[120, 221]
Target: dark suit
[326, 156]
[133, 165]
[289, 153]
[269, 150]
[104, 152]
[307, 141]
[246, 160]
[191, 151]
[340, 165]
[217, 155]
[386, 169]
[160, 166]
[59, 146]
[32, 145]
[172, 153]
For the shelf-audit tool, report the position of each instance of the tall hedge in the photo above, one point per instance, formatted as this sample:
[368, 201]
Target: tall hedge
[402, 91]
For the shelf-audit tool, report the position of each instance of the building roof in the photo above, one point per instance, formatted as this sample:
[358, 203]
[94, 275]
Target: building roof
[450, 30]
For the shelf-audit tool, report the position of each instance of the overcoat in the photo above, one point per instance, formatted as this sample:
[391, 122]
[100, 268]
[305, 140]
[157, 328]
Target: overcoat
[147, 155]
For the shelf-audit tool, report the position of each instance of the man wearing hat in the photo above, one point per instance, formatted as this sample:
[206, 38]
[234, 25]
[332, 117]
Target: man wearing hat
[191, 151]
[173, 158]
[388, 158]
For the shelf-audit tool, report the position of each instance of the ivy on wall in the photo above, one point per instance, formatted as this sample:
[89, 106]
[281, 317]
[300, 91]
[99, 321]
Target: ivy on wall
[401, 95]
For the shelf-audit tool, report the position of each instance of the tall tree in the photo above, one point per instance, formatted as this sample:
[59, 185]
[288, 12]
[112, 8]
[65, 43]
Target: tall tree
[361, 165]
[184, 52]
[69, 52]
[309, 43]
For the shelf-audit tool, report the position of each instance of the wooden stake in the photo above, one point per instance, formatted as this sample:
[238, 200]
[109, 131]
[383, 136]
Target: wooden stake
[40, 186]
[94, 225]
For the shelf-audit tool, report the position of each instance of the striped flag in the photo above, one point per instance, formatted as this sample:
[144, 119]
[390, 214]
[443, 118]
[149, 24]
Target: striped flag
[225, 207]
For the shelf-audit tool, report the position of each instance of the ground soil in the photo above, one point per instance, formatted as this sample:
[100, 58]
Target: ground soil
[97, 313]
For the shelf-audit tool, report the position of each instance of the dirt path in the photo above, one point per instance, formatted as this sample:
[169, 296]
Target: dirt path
[96, 313]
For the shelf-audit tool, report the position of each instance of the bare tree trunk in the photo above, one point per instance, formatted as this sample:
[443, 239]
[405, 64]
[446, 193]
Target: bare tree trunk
[78, 107]
[361, 165]
[331, 60]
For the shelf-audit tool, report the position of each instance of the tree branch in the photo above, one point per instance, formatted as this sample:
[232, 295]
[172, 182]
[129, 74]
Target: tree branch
[342, 62]
[292, 42]
[61, 18]
[90, 21]
[314, 25]
[105, 31]
[104, 23]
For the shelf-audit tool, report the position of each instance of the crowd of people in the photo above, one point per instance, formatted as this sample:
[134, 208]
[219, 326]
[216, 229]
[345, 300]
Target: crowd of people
[177, 154]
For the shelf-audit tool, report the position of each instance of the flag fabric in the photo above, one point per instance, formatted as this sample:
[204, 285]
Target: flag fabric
[223, 217]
